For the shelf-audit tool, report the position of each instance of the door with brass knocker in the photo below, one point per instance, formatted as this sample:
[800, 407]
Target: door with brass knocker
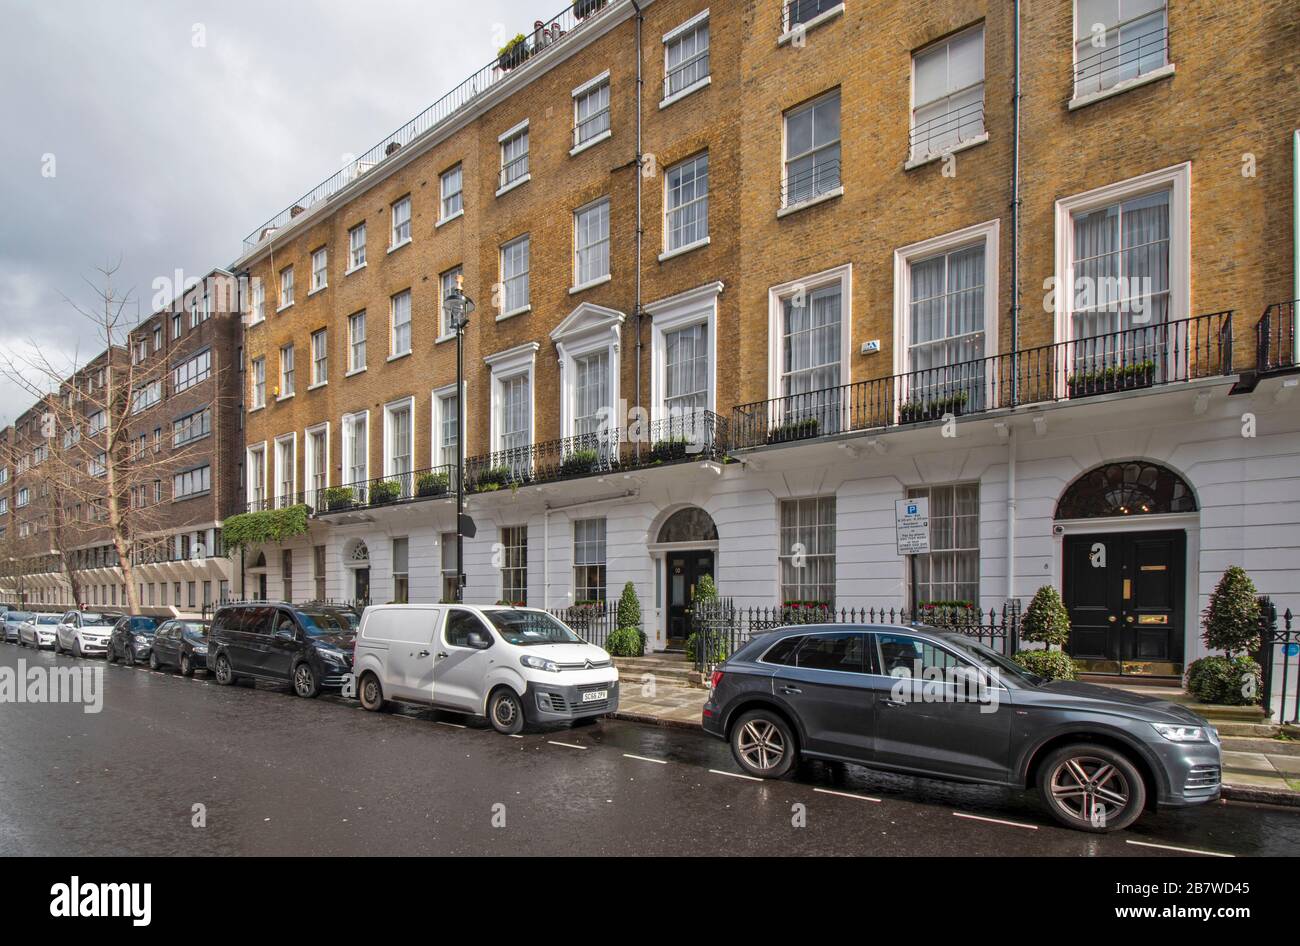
[1124, 592]
[684, 572]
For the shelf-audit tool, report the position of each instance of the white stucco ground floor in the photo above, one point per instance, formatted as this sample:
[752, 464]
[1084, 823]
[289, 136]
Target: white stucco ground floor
[1131, 504]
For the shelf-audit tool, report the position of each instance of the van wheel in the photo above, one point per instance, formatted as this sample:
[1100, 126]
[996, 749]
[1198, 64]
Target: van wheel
[371, 694]
[187, 666]
[1092, 788]
[506, 711]
[76, 648]
[225, 676]
[764, 745]
[305, 683]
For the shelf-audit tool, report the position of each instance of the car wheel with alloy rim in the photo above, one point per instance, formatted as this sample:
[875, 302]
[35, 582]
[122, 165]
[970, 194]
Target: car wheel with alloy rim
[153, 661]
[304, 681]
[764, 744]
[225, 676]
[187, 666]
[1092, 788]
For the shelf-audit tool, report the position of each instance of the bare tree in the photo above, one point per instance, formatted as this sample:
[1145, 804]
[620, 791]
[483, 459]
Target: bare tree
[100, 465]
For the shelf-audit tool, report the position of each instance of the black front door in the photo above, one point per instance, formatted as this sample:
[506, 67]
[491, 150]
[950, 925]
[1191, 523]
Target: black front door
[684, 572]
[1124, 592]
[362, 585]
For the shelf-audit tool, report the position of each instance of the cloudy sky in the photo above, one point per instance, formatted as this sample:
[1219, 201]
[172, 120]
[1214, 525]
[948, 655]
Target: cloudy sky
[174, 128]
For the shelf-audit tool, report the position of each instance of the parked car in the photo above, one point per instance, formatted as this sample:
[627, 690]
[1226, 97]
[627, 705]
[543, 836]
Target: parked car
[307, 647]
[131, 640]
[182, 644]
[12, 621]
[927, 702]
[84, 633]
[512, 665]
[40, 631]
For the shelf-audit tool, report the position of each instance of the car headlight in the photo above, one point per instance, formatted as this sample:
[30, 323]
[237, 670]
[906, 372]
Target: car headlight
[200, 648]
[539, 663]
[1180, 733]
[333, 656]
[141, 639]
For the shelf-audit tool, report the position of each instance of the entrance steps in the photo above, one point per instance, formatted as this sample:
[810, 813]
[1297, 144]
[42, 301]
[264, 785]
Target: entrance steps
[669, 668]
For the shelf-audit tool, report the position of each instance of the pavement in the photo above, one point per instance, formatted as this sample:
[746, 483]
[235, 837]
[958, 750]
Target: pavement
[172, 765]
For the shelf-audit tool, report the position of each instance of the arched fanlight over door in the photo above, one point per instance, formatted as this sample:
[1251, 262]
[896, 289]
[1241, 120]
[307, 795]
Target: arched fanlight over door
[691, 524]
[1133, 488]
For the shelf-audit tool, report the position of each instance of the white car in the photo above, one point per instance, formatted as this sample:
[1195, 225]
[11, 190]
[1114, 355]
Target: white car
[512, 665]
[39, 632]
[84, 633]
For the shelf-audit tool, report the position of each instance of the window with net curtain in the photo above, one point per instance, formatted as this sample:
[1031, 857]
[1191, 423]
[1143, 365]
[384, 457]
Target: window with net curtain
[686, 376]
[588, 560]
[1117, 40]
[951, 570]
[514, 412]
[948, 93]
[807, 550]
[810, 356]
[1120, 303]
[590, 393]
[946, 330]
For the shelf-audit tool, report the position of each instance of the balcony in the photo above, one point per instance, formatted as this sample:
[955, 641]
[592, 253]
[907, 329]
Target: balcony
[544, 35]
[1275, 343]
[1130, 360]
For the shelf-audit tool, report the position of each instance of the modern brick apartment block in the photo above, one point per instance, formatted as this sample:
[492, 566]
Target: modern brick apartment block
[1021, 266]
[183, 444]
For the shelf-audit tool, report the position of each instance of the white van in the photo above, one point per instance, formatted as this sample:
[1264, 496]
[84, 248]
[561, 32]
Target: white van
[512, 665]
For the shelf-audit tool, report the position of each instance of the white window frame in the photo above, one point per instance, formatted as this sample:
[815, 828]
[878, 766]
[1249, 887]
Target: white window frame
[349, 460]
[286, 288]
[320, 360]
[390, 411]
[603, 563]
[671, 38]
[776, 321]
[989, 233]
[1178, 181]
[309, 461]
[279, 494]
[591, 87]
[257, 378]
[393, 352]
[916, 158]
[438, 415]
[319, 269]
[257, 311]
[256, 493]
[788, 206]
[502, 140]
[593, 207]
[185, 477]
[588, 329]
[790, 30]
[693, 307]
[396, 241]
[527, 273]
[670, 251]
[356, 248]
[783, 552]
[288, 372]
[444, 195]
[353, 367]
[504, 366]
[1142, 78]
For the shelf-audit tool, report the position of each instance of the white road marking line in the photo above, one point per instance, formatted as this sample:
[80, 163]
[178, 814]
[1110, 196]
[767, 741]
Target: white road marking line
[567, 745]
[750, 778]
[443, 722]
[827, 791]
[1010, 824]
[1182, 850]
[643, 758]
[515, 735]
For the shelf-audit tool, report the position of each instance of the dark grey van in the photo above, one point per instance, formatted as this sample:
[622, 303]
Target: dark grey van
[307, 646]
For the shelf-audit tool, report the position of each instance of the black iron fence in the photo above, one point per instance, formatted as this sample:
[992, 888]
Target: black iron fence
[1279, 659]
[1275, 348]
[593, 621]
[1157, 354]
[719, 628]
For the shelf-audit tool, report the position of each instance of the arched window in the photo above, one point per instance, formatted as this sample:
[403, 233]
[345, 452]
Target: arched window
[1134, 488]
[691, 524]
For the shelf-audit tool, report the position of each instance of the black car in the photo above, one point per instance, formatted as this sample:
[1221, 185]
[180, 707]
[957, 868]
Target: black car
[305, 645]
[182, 644]
[131, 640]
[927, 702]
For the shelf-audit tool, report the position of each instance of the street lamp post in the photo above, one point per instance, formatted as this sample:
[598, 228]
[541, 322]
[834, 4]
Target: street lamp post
[459, 306]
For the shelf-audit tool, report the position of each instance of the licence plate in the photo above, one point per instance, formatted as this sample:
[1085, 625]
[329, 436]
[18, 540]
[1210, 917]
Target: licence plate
[593, 696]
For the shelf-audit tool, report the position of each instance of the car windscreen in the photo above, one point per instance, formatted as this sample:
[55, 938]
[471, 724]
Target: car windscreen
[318, 623]
[94, 618]
[48, 619]
[17, 616]
[524, 628]
[143, 625]
[990, 659]
[195, 629]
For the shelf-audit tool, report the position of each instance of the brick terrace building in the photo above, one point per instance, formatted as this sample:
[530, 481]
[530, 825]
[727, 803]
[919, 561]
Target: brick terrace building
[845, 302]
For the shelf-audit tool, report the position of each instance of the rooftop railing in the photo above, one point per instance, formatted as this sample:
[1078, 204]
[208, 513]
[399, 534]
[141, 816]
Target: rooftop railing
[545, 34]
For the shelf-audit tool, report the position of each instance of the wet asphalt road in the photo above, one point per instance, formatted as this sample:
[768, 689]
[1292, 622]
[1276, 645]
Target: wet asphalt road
[281, 775]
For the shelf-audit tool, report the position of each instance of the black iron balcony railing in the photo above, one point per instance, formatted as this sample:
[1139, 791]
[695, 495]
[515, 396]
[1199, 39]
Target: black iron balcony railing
[797, 12]
[945, 132]
[544, 35]
[437, 482]
[1159, 354]
[1121, 60]
[821, 178]
[1275, 344]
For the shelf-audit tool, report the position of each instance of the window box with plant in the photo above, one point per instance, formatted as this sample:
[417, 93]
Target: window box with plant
[795, 430]
[1114, 378]
[919, 411]
[579, 462]
[668, 451]
[336, 498]
[514, 53]
[432, 484]
[491, 480]
[383, 492]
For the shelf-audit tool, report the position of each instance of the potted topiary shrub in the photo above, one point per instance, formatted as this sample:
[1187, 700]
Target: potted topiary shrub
[1231, 623]
[385, 491]
[579, 462]
[1046, 621]
[431, 484]
[513, 53]
[336, 498]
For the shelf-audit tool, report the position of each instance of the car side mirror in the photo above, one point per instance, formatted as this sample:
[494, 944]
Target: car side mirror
[478, 640]
[284, 633]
